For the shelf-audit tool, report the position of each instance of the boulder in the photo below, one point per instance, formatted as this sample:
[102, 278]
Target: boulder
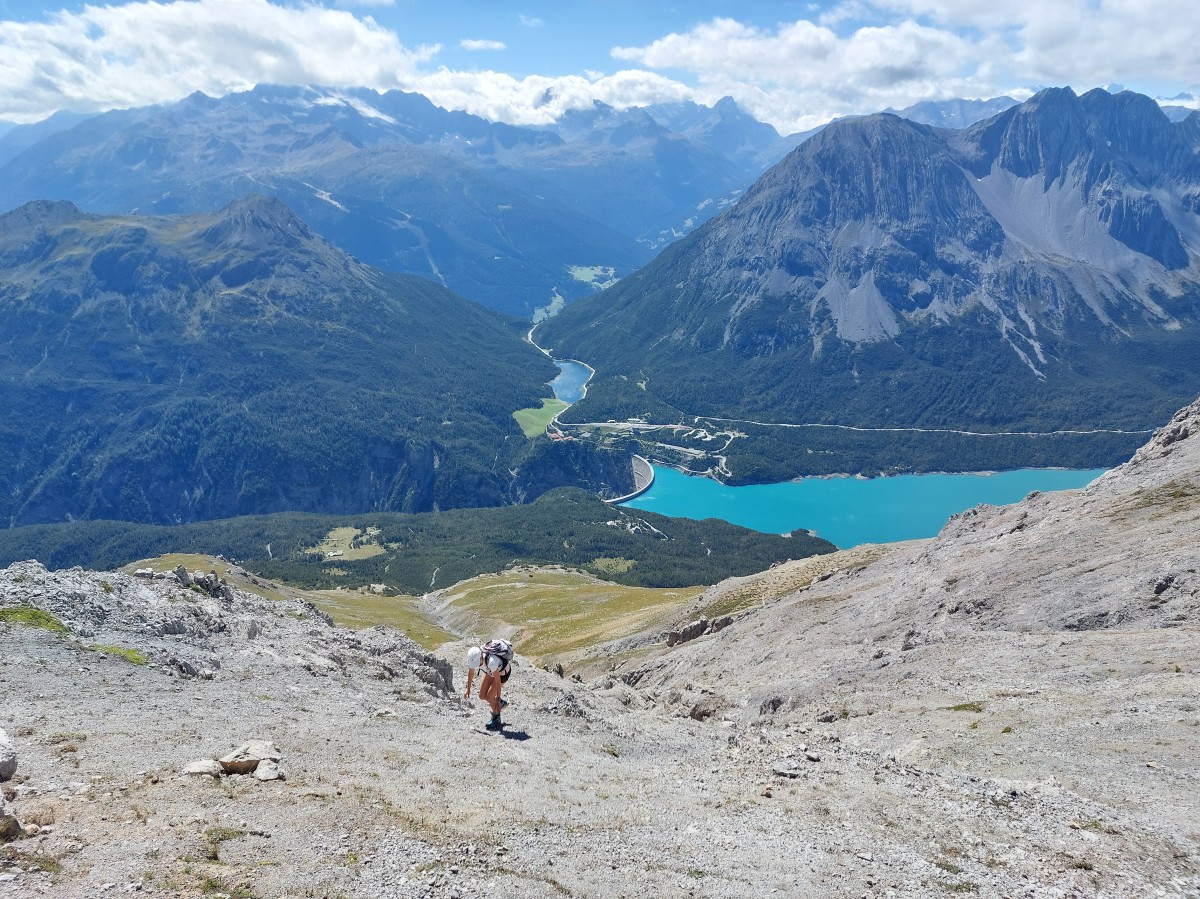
[200, 767]
[9, 829]
[719, 624]
[688, 632]
[181, 573]
[268, 769]
[787, 767]
[8, 757]
[693, 630]
[246, 757]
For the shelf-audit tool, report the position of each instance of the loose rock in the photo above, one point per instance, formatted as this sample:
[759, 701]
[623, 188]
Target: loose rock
[8, 757]
[246, 757]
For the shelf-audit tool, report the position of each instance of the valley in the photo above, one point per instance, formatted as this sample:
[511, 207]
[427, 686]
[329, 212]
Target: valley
[307, 389]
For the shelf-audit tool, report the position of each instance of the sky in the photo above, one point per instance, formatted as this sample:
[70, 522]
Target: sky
[795, 65]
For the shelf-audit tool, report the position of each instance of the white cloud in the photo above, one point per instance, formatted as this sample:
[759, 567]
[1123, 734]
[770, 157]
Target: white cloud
[149, 52]
[539, 100]
[802, 73]
[530, 21]
[795, 75]
[469, 44]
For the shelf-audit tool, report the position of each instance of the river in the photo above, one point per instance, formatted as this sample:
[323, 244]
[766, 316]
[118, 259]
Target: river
[850, 511]
[571, 383]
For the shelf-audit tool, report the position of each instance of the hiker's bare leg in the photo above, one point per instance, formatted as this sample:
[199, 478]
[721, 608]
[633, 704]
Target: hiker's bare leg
[489, 691]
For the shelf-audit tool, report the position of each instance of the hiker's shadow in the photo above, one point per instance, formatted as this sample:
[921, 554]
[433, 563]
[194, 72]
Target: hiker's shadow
[514, 735]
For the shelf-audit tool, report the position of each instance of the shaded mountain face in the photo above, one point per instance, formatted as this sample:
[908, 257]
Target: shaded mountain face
[500, 214]
[1036, 271]
[170, 369]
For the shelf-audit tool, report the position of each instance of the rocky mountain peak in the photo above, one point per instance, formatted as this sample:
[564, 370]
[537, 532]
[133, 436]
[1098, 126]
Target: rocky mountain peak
[1041, 137]
[254, 221]
[39, 214]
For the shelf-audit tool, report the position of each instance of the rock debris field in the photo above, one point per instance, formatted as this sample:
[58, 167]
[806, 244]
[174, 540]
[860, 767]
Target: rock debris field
[1009, 709]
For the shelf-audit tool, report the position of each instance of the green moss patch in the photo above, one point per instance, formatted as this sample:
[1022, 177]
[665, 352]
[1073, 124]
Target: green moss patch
[28, 616]
[133, 656]
[975, 707]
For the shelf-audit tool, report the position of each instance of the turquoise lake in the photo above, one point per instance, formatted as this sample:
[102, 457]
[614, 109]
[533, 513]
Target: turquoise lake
[850, 511]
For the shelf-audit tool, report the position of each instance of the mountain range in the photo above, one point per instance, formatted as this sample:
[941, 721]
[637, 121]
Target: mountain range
[174, 368]
[511, 217]
[1036, 271]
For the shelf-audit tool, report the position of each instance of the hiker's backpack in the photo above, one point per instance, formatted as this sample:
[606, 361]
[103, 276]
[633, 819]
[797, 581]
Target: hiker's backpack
[501, 648]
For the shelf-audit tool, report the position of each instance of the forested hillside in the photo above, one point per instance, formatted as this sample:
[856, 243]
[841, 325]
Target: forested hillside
[413, 553]
[170, 369]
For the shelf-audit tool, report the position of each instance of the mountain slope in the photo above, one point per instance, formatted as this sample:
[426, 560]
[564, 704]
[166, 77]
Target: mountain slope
[1037, 271]
[175, 368]
[1006, 710]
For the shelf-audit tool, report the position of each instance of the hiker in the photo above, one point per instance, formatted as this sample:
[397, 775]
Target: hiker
[494, 660]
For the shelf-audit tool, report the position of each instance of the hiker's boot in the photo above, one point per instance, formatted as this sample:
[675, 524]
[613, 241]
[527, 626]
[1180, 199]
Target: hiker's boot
[495, 723]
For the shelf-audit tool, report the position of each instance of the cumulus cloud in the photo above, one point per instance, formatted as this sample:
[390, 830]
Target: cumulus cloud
[540, 100]
[803, 73]
[147, 52]
[855, 57]
[469, 44]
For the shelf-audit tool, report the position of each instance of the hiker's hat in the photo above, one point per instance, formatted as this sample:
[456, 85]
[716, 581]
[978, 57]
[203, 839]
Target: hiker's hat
[473, 657]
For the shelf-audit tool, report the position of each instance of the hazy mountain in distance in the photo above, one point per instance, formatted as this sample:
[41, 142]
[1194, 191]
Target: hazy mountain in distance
[1036, 271]
[14, 138]
[953, 113]
[501, 214]
[398, 183]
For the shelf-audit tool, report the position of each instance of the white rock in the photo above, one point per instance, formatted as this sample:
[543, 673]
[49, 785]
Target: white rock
[246, 757]
[211, 767]
[268, 769]
[8, 757]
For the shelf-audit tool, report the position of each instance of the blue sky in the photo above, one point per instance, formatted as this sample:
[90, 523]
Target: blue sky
[794, 64]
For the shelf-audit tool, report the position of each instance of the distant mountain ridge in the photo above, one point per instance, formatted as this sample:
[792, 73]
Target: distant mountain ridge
[953, 113]
[1038, 270]
[169, 369]
[501, 214]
